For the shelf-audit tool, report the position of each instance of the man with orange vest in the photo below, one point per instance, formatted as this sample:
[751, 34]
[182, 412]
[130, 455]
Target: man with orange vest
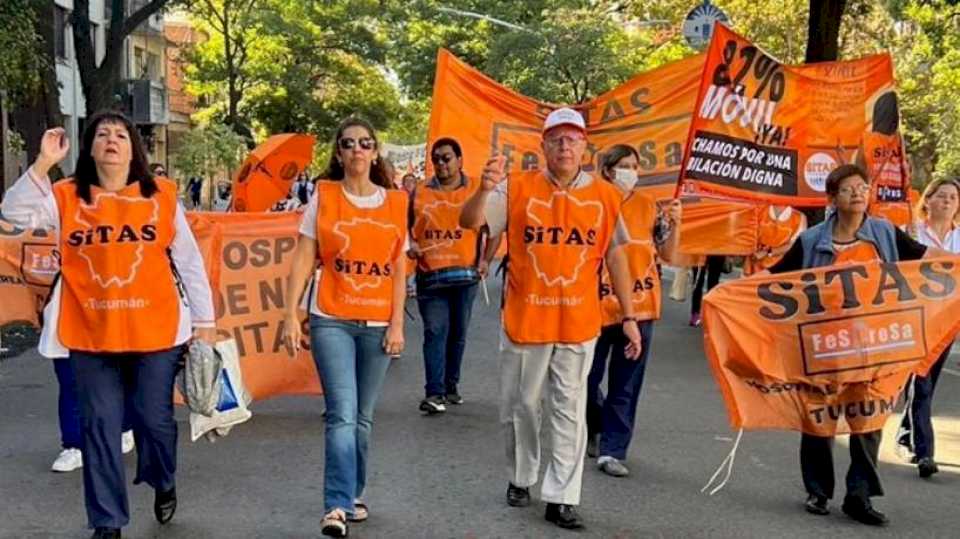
[448, 270]
[560, 225]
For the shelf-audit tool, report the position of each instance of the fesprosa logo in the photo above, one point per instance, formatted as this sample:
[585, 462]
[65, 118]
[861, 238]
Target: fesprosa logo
[559, 240]
[377, 237]
[115, 262]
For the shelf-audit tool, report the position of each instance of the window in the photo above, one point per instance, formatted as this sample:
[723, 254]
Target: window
[153, 66]
[140, 63]
[60, 17]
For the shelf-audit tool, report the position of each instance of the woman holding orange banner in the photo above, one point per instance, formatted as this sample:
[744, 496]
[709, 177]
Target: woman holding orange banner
[645, 235]
[939, 207]
[848, 235]
[355, 225]
[132, 290]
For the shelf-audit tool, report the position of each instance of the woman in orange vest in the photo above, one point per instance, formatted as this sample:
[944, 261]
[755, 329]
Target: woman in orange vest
[355, 225]
[779, 228]
[610, 418]
[131, 292]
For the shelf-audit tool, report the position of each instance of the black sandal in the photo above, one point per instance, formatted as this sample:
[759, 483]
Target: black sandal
[165, 505]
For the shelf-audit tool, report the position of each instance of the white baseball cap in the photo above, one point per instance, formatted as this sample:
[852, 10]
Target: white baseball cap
[564, 116]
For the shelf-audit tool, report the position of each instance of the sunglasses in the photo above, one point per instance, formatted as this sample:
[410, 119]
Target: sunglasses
[367, 143]
[437, 159]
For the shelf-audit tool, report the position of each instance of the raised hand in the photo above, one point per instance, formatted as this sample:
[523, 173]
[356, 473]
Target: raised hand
[494, 172]
[54, 147]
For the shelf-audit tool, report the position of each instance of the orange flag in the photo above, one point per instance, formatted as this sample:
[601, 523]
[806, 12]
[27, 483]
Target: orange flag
[650, 112]
[827, 351]
[28, 264]
[770, 132]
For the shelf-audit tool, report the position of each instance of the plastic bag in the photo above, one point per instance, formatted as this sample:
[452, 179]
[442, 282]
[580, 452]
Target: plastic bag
[233, 398]
[200, 379]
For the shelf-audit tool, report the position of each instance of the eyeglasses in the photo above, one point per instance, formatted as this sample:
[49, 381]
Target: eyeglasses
[437, 159]
[557, 142]
[861, 189]
[367, 143]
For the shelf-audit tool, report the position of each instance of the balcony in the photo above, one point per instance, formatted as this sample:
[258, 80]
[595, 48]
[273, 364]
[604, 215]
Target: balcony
[153, 25]
[145, 101]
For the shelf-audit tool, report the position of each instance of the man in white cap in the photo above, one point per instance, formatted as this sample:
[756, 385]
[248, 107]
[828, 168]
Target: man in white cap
[561, 224]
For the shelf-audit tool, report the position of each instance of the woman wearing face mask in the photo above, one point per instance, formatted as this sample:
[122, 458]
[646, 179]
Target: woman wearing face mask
[355, 226]
[645, 234]
[847, 236]
[938, 209]
[132, 290]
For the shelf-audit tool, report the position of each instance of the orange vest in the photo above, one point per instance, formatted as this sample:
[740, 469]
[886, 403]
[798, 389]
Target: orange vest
[855, 253]
[556, 239]
[772, 234]
[358, 248]
[437, 231]
[639, 214]
[119, 293]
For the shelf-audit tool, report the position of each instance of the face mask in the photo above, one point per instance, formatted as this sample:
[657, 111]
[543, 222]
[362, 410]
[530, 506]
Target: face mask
[625, 178]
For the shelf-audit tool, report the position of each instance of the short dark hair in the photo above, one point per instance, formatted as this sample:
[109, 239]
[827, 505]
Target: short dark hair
[86, 170]
[613, 156]
[841, 173]
[447, 141]
[380, 170]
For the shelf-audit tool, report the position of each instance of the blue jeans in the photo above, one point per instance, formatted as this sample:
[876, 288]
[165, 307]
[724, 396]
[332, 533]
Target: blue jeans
[918, 420]
[446, 315]
[110, 387]
[68, 405]
[612, 417]
[352, 367]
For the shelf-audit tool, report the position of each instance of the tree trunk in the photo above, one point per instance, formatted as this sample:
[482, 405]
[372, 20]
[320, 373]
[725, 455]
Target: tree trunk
[823, 30]
[44, 112]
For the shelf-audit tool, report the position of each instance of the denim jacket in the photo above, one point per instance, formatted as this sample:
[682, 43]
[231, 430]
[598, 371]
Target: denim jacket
[817, 241]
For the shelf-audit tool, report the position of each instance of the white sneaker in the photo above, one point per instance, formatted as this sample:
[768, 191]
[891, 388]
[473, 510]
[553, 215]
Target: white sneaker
[126, 442]
[68, 461]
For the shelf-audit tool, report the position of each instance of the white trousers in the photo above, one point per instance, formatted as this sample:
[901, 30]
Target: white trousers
[525, 372]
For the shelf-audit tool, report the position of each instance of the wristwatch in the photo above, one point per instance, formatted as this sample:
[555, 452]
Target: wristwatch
[629, 319]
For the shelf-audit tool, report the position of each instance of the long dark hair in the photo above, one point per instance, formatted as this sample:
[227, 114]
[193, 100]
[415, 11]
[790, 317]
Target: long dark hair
[86, 172]
[379, 171]
[613, 156]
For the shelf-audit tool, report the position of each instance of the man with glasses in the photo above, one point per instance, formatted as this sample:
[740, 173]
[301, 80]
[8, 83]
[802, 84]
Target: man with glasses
[561, 223]
[447, 272]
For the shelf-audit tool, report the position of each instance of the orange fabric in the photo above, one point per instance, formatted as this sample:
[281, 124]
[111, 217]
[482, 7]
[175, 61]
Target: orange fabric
[269, 170]
[716, 226]
[828, 351]
[650, 112]
[639, 213]
[556, 241]
[856, 252]
[119, 293]
[358, 249]
[436, 229]
[770, 132]
[773, 234]
[28, 264]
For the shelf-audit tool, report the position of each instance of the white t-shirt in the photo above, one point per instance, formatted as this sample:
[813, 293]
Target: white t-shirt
[308, 227]
[929, 238]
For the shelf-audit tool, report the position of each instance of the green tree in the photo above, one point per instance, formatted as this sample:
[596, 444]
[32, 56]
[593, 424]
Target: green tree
[210, 152]
[22, 62]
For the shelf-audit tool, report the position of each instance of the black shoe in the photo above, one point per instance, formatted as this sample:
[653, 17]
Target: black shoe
[165, 505]
[593, 446]
[927, 467]
[816, 505]
[106, 533]
[863, 512]
[517, 496]
[454, 398]
[563, 515]
[434, 404]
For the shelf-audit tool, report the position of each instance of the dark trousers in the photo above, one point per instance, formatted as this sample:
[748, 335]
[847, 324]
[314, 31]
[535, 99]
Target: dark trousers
[918, 419]
[709, 273]
[106, 385]
[816, 465]
[446, 315]
[612, 417]
[68, 405]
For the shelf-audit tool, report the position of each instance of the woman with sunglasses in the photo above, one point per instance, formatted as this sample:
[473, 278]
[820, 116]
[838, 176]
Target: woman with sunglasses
[848, 235]
[355, 226]
[939, 208]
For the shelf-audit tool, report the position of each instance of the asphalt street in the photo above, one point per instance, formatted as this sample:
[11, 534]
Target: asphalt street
[444, 476]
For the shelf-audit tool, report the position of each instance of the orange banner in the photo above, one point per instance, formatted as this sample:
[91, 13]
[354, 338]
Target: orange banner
[716, 226]
[28, 264]
[650, 112]
[770, 132]
[247, 256]
[827, 351]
